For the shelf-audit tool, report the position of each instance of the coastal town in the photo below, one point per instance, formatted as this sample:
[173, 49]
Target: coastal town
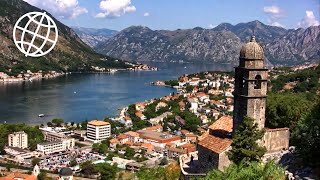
[146, 134]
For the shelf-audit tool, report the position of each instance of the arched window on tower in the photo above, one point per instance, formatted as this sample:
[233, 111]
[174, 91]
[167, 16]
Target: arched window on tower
[257, 82]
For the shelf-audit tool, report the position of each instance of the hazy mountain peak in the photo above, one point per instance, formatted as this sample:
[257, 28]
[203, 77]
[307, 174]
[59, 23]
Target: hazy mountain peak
[220, 44]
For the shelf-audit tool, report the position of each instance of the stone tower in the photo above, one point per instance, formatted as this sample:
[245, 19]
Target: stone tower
[250, 85]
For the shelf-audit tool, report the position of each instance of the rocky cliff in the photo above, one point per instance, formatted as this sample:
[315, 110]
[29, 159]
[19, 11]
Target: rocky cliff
[220, 44]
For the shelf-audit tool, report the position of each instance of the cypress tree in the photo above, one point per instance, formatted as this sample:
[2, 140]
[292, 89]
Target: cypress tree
[245, 147]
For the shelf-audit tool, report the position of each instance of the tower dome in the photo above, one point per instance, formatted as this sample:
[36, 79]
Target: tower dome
[252, 50]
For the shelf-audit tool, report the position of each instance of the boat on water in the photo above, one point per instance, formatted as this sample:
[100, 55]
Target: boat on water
[41, 115]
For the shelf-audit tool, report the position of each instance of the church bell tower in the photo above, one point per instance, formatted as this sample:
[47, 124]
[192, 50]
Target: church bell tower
[250, 85]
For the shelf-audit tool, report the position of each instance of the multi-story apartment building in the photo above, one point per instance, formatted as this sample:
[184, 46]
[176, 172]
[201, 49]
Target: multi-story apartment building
[55, 146]
[18, 139]
[98, 131]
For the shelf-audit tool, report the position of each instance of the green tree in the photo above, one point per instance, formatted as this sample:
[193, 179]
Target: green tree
[42, 176]
[57, 122]
[129, 152]
[170, 172]
[88, 168]
[49, 124]
[249, 171]
[164, 161]
[73, 162]
[35, 161]
[307, 137]
[106, 171]
[244, 143]
[153, 173]
[285, 109]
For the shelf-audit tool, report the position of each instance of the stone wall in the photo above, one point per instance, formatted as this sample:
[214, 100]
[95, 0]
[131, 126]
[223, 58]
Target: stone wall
[276, 139]
[208, 160]
[224, 160]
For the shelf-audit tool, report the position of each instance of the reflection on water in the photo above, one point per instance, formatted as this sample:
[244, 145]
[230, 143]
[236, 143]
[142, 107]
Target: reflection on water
[80, 97]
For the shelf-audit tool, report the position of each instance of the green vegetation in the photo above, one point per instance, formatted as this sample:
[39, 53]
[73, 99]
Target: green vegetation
[249, 171]
[116, 126]
[306, 80]
[35, 161]
[57, 122]
[151, 112]
[101, 148]
[170, 172]
[172, 83]
[34, 134]
[191, 120]
[105, 170]
[244, 143]
[306, 137]
[285, 109]
[137, 122]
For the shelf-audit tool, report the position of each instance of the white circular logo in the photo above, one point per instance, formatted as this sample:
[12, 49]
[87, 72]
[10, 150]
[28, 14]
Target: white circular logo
[35, 34]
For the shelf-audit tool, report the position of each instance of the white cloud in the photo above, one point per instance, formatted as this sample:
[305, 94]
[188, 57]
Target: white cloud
[115, 8]
[277, 24]
[146, 14]
[211, 26]
[275, 11]
[60, 8]
[308, 20]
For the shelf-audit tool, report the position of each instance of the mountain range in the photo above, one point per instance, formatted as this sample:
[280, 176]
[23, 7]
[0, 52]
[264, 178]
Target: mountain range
[70, 53]
[220, 44]
[92, 36]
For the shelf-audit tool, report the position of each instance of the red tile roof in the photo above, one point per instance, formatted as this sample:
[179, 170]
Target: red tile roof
[215, 144]
[224, 123]
[17, 175]
[132, 133]
[122, 136]
[153, 128]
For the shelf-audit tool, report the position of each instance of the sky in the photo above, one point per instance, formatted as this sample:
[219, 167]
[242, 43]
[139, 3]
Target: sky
[181, 14]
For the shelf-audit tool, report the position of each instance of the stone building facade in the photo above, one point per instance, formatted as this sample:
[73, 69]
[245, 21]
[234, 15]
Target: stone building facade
[250, 95]
[250, 90]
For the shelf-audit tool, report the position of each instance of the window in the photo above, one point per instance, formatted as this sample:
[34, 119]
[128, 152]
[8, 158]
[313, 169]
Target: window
[257, 82]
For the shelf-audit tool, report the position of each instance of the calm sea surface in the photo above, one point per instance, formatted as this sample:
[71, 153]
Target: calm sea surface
[79, 97]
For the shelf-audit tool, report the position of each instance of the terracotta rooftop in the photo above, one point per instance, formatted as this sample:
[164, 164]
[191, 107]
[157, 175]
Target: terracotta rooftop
[127, 118]
[113, 141]
[17, 175]
[224, 123]
[152, 128]
[132, 133]
[181, 104]
[122, 136]
[98, 123]
[139, 114]
[184, 131]
[190, 135]
[215, 144]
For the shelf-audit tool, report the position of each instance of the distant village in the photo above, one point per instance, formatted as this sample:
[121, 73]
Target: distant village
[28, 75]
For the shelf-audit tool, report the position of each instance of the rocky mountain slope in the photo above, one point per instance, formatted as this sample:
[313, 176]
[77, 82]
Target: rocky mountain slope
[220, 44]
[70, 53]
[92, 36]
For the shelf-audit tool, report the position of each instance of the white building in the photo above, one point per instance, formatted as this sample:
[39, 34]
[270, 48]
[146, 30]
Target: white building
[98, 131]
[55, 146]
[18, 139]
